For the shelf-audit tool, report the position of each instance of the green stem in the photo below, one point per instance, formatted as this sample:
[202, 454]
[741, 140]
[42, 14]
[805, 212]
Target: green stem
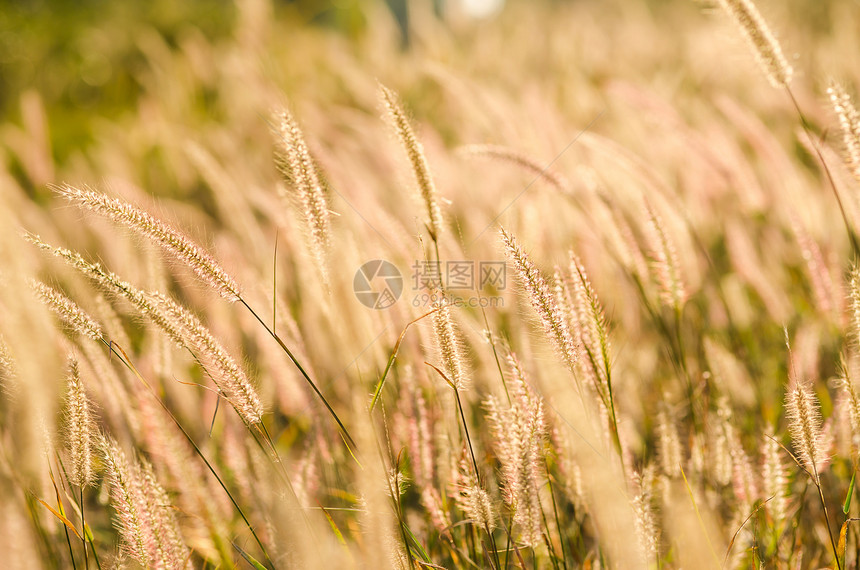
[69, 543]
[493, 345]
[301, 369]
[817, 482]
[125, 360]
[555, 511]
[84, 532]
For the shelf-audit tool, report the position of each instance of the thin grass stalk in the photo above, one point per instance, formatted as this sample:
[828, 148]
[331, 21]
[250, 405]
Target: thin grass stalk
[393, 489]
[86, 536]
[300, 169]
[699, 517]
[805, 426]
[349, 440]
[84, 531]
[378, 391]
[555, 511]
[596, 318]
[62, 511]
[47, 544]
[471, 453]
[127, 363]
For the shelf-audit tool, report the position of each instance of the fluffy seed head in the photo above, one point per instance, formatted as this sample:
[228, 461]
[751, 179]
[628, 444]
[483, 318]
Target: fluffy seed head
[7, 363]
[146, 522]
[67, 310]
[816, 266]
[432, 501]
[112, 283]
[80, 429]
[669, 450]
[228, 375]
[761, 39]
[744, 480]
[853, 403]
[804, 417]
[470, 497]
[301, 170]
[415, 152]
[849, 121]
[125, 494]
[645, 511]
[721, 435]
[590, 328]
[167, 237]
[542, 299]
[421, 441]
[774, 479]
[519, 432]
[475, 503]
[665, 264]
[449, 345]
[854, 303]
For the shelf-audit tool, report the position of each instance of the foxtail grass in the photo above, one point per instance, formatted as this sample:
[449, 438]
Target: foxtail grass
[227, 374]
[518, 438]
[448, 344]
[218, 278]
[68, 311]
[80, 430]
[144, 516]
[849, 121]
[542, 300]
[473, 497]
[665, 263]
[300, 169]
[805, 425]
[171, 240]
[420, 168]
[765, 47]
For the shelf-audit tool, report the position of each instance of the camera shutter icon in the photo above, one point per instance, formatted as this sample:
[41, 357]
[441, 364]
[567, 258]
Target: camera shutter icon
[377, 284]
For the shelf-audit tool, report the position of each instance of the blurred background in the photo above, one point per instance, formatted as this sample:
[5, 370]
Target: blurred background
[90, 58]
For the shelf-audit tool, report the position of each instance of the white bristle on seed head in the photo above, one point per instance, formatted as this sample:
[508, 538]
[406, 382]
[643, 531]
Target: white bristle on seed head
[170, 239]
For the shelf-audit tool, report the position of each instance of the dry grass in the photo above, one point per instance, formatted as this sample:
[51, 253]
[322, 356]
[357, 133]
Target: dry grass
[190, 380]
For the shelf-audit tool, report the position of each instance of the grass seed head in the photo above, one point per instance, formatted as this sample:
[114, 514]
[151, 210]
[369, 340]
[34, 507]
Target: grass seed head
[805, 424]
[415, 152]
[761, 39]
[168, 238]
[80, 429]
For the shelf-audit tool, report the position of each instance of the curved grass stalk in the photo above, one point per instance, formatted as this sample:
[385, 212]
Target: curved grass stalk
[126, 361]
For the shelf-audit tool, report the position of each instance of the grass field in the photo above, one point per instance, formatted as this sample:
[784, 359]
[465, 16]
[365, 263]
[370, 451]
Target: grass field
[572, 284]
